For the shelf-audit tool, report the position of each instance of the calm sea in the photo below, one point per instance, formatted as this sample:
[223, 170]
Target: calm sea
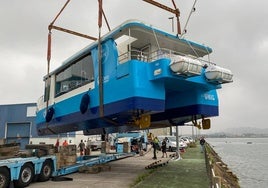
[249, 161]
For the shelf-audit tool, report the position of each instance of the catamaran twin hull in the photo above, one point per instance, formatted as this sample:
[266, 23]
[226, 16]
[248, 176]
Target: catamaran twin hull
[150, 79]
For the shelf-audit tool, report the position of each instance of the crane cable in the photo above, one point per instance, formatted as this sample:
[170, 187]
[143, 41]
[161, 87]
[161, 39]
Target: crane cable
[185, 31]
[51, 26]
[49, 37]
[188, 19]
[49, 45]
[49, 58]
[101, 106]
[177, 13]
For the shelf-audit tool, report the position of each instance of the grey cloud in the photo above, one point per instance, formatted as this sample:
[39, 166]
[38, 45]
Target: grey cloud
[236, 31]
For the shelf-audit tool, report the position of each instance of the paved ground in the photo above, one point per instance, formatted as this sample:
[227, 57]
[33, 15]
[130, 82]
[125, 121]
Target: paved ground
[190, 172]
[122, 174]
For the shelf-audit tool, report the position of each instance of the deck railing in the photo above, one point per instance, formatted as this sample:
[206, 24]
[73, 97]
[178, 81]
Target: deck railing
[152, 56]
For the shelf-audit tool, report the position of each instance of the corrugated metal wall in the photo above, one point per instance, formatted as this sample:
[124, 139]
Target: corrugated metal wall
[17, 124]
[18, 133]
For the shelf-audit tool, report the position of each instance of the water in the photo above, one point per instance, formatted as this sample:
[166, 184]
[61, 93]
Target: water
[248, 161]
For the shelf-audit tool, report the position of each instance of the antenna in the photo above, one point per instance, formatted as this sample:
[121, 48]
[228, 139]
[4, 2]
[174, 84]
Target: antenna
[172, 21]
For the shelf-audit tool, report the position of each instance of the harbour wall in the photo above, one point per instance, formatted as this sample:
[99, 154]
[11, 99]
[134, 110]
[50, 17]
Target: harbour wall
[220, 175]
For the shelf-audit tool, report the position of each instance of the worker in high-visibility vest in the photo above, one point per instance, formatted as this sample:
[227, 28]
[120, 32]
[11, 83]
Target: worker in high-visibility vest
[155, 144]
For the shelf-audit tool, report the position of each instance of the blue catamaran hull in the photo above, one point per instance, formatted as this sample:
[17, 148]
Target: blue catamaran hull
[141, 82]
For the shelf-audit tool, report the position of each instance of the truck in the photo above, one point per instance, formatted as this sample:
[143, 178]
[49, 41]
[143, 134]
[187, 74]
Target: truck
[21, 171]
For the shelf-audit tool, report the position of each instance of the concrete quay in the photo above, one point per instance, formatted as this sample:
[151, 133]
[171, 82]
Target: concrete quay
[130, 172]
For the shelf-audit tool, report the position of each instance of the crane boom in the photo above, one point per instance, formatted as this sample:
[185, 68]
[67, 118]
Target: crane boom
[174, 11]
[71, 32]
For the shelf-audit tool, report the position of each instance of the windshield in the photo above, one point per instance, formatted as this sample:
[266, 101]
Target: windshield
[173, 139]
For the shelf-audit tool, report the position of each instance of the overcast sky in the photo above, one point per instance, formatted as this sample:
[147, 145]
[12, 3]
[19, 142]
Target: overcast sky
[236, 30]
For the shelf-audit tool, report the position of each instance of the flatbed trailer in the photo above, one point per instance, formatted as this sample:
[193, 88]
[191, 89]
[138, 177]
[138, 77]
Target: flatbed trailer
[22, 171]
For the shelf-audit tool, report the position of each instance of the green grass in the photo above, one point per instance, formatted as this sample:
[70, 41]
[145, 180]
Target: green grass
[142, 177]
[190, 172]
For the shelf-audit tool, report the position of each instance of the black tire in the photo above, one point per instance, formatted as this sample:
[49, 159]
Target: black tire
[4, 177]
[46, 171]
[50, 113]
[26, 176]
[84, 103]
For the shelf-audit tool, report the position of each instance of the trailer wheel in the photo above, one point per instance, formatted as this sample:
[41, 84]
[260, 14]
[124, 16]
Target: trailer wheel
[46, 171]
[4, 177]
[26, 176]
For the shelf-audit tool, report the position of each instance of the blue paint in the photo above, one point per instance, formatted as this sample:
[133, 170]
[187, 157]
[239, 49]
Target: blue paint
[134, 87]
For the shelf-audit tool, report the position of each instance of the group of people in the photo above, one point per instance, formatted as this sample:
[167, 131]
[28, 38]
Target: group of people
[84, 149]
[57, 144]
[65, 143]
[156, 146]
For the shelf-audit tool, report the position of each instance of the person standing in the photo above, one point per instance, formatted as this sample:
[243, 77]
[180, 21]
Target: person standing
[57, 145]
[202, 143]
[81, 147]
[65, 143]
[88, 147]
[164, 147]
[155, 146]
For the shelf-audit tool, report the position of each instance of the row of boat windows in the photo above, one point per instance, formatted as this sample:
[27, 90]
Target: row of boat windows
[81, 72]
[77, 74]
[74, 76]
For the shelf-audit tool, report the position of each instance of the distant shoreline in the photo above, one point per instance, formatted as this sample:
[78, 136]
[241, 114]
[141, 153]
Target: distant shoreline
[235, 136]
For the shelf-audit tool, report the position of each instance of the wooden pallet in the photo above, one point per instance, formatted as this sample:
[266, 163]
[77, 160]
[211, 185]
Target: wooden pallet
[157, 164]
[9, 150]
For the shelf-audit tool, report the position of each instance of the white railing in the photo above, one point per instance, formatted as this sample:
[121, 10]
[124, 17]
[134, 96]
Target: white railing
[133, 54]
[149, 57]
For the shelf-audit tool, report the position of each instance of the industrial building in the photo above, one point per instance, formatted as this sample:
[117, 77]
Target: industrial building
[17, 125]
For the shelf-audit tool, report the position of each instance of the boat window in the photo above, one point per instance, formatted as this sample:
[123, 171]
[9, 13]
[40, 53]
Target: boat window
[77, 74]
